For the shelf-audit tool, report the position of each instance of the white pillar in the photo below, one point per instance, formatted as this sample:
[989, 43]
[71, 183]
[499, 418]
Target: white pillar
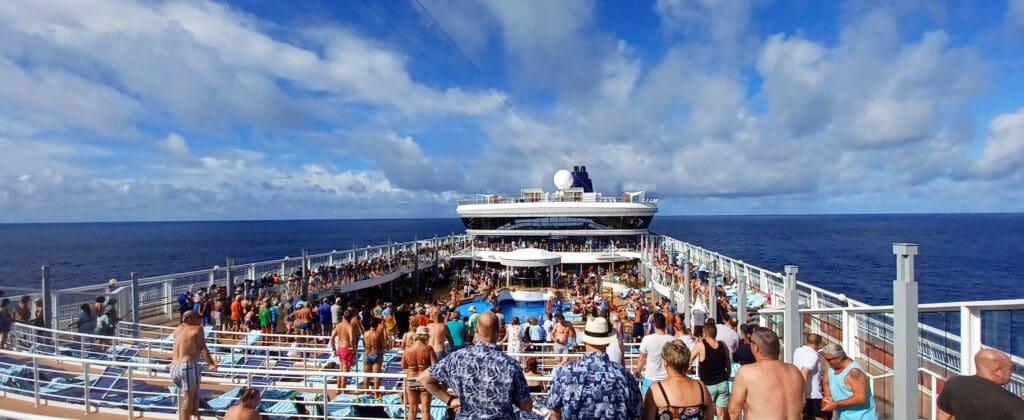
[970, 338]
[905, 363]
[792, 325]
[741, 298]
[687, 293]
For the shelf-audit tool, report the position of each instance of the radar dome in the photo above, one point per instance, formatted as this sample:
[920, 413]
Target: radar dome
[563, 179]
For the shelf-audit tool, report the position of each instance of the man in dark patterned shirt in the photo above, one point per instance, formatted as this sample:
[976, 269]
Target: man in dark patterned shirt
[487, 382]
[595, 387]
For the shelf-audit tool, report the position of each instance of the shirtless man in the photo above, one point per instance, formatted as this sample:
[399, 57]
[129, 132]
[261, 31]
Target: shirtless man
[560, 335]
[303, 318]
[248, 407]
[189, 343]
[418, 358]
[439, 333]
[373, 360]
[767, 388]
[343, 344]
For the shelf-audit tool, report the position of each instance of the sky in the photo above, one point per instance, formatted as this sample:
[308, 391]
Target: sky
[198, 110]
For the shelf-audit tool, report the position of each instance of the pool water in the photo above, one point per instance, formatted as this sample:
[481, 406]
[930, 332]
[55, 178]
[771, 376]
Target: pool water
[510, 308]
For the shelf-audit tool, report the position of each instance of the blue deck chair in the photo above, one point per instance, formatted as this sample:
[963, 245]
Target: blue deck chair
[343, 405]
[223, 401]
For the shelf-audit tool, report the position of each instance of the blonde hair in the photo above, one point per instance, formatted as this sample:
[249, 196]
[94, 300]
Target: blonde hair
[676, 356]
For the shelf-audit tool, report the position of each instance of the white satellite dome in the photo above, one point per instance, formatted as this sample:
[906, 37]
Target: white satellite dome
[563, 179]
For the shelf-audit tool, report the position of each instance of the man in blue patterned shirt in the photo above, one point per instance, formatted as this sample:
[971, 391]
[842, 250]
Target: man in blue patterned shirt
[487, 382]
[594, 387]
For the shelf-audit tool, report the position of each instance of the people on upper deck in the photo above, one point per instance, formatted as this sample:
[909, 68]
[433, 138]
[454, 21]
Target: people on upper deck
[768, 388]
[982, 395]
[846, 388]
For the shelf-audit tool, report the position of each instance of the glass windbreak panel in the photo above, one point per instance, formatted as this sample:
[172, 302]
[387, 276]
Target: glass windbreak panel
[557, 223]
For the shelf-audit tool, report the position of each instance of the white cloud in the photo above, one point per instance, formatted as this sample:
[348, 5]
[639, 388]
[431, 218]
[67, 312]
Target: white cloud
[210, 66]
[1004, 147]
[175, 145]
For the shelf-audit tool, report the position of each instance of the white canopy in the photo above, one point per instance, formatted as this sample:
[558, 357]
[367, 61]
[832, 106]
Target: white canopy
[530, 257]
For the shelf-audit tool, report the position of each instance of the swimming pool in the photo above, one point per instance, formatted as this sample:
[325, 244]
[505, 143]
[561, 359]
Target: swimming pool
[522, 304]
[511, 308]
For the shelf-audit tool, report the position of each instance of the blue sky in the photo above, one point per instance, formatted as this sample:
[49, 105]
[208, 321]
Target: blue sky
[187, 110]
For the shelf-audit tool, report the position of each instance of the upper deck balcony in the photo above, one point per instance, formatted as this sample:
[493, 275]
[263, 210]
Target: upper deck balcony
[569, 195]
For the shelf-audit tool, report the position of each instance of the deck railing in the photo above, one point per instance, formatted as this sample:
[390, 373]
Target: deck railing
[866, 332]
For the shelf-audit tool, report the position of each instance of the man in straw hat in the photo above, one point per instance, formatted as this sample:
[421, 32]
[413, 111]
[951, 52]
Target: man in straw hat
[594, 386]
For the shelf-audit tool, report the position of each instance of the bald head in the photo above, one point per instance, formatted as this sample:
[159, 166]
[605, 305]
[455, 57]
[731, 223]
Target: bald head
[189, 317]
[994, 365]
[487, 327]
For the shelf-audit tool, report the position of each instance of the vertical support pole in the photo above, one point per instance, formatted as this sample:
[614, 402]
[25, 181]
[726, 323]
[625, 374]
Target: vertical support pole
[551, 275]
[305, 274]
[131, 396]
[741, 295]
[416, 265]
[792, 325]
[48, 317]
[135, 310]
[970, 338]
[229, 263]
[712, 291]
[168, 299]
[904, 307]
[687, 293]
[849, 321]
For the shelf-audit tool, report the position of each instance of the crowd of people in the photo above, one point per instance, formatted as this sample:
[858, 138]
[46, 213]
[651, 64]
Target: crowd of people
[481, 365]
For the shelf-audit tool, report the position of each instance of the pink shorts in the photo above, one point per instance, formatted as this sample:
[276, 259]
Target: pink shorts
[346, 356]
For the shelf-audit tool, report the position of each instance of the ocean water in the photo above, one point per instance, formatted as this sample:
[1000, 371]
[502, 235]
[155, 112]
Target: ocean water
[961, 256]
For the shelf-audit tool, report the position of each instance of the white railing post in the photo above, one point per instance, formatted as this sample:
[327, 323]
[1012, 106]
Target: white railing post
[741, 297]
[35, 376]
[850, 326]
[85, 386]
[970, 338]
[713, 291]
[131, 396]
[935, 396]
[687, 293]
[135, 307]
[168, 298]
[905, 363]
[792, 324]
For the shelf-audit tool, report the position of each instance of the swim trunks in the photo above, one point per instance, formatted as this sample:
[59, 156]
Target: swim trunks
[186, 375]
[373, 358]
[306, 326]
[346, 356]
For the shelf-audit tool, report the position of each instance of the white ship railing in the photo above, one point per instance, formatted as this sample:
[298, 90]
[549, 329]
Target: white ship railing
[866, 332]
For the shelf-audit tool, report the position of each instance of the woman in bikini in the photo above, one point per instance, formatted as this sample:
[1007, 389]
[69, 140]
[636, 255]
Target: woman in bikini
[678, 397]
[418, 357]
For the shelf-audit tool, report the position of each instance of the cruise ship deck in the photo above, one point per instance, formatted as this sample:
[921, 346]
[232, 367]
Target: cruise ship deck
[46, 371]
